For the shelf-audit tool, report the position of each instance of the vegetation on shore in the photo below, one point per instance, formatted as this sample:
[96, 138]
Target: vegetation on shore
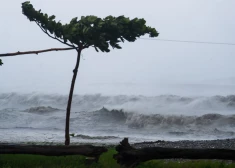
[106, 161]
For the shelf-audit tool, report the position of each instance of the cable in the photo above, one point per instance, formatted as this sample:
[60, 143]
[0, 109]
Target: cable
[183, 41]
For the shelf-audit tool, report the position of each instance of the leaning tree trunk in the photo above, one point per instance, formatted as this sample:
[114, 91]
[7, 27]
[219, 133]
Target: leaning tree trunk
[75, 71]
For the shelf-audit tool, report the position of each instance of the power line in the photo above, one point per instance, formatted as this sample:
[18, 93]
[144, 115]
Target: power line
[184, 41]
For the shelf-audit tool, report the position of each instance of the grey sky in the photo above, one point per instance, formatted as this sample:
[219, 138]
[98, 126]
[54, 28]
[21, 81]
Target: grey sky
[141, 62]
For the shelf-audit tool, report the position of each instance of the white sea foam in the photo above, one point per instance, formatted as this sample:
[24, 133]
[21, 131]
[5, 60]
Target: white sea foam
[139, 117]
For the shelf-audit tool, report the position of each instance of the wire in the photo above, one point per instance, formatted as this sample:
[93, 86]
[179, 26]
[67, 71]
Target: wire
[183, 41]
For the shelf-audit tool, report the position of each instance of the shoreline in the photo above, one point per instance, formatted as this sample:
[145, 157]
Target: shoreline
[192, 144]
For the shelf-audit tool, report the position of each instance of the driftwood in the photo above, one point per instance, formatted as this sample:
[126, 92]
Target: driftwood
[86, 150]
[130, 156]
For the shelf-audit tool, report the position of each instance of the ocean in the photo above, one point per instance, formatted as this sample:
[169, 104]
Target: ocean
[97, 118]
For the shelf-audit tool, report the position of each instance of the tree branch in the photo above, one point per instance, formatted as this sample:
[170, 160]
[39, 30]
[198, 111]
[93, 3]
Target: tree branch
[54, 37]
[35, 52]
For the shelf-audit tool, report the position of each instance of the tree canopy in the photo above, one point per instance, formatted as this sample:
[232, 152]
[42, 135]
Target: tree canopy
[90, 31]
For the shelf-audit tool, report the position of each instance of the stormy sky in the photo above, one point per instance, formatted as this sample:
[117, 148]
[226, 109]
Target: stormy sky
[142, 63]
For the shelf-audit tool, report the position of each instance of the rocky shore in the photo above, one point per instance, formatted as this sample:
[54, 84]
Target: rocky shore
[197, 144]
[212, 144]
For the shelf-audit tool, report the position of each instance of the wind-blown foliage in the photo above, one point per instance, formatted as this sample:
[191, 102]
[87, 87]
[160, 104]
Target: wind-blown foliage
[91, 30]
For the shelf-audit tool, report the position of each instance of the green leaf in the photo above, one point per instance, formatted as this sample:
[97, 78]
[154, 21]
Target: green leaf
[74, 20]
[91, 30]
[118, 46]
[1, 62]
[85, 30]
[91, 19]
[52, 17]
[46, 16]
[72, 135]
[122, 39]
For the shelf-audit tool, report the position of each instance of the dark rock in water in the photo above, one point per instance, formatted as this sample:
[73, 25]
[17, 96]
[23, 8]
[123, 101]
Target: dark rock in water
[41, 109]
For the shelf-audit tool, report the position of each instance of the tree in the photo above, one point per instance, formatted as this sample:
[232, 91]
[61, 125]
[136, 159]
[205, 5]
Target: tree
[89, 31]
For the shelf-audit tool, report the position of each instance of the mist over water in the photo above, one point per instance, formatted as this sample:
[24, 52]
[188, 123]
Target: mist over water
[96, 118]
[155, 89]
[145, 89]
[148, 90]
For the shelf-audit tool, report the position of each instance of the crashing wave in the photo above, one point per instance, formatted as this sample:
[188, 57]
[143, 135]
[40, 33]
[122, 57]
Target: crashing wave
[122, 116]
[136, 120]
[88, 102]
[113, 114]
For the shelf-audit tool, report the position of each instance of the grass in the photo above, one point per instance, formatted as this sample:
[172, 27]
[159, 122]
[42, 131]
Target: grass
[106, 161]
[186, 164]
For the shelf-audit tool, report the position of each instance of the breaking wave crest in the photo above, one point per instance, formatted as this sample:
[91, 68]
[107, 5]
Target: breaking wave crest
[98, 117]
[136, 120]
[164, 104]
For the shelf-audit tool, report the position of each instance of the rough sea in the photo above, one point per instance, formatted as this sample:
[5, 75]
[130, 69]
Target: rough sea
[96, 118]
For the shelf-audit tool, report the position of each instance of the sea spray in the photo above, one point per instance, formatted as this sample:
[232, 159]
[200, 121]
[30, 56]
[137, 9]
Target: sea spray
[37, 117]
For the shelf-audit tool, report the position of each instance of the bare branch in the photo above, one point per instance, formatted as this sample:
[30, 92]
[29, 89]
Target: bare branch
[35, 52]
[75, 47]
